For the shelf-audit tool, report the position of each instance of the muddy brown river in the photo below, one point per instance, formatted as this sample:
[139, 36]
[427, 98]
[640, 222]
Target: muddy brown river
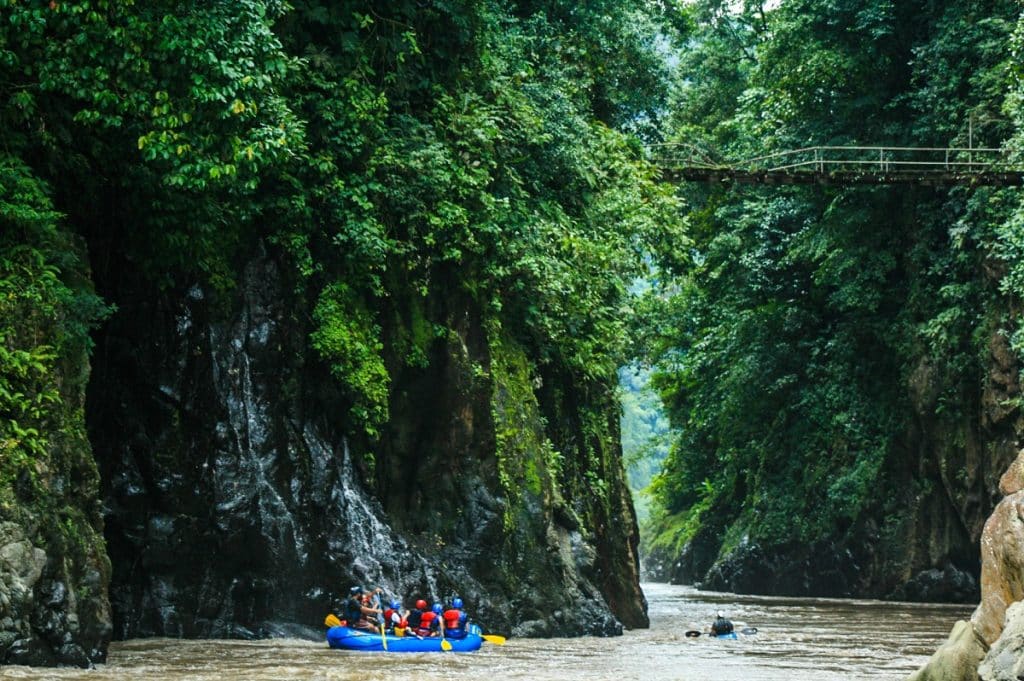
[797, 639]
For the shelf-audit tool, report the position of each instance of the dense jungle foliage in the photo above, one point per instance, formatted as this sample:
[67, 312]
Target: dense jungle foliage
[416, 150]
[391, 150]
[788, 353]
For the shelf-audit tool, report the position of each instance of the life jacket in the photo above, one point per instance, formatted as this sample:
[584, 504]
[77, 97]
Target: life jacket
[427, 623]
[721, 626]
[454, 623]
[394, 619]
[453, 619]
[414, 618]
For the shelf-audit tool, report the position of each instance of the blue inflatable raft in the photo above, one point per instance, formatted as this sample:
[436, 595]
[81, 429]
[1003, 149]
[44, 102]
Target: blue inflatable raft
[353, 639]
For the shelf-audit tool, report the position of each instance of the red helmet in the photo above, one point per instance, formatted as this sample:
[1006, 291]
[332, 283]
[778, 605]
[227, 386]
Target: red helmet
[421, 604]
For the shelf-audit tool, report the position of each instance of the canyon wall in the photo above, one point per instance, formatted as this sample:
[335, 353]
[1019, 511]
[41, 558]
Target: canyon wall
[239, 506]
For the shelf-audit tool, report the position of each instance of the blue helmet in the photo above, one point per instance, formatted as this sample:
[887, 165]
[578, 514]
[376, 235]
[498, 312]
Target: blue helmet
[437, 608]
[355, 590]
[395, 605]
[457, 603]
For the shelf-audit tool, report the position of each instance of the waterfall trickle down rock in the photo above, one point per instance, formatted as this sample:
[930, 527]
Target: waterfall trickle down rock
[244, 471]
[233, 502]
[359, 542]
[374, 554]
[240, 500]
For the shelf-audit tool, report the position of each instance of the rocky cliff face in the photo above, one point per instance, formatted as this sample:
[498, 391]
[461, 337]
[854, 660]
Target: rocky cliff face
[989, 646]
[920, 540]
[238, 505]
[54, 570]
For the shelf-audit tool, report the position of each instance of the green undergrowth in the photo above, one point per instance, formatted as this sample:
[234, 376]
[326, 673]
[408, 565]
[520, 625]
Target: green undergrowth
[48, 478]
[528, 463]
[666, 533]
[348, 338]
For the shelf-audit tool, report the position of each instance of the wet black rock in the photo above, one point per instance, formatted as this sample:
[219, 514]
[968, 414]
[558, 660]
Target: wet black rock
[829, 569]
[950, 585]
[696, 558]
[43, 621]
[821, 569]
[32, 652]
[73, 655]
[239, 499]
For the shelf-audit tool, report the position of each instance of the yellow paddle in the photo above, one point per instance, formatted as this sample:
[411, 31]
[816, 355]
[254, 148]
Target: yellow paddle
[490, 638]
[332, 621]
[445, 645]
[379, 602]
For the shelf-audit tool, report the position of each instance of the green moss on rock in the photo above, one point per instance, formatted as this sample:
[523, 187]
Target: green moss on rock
[54, 570]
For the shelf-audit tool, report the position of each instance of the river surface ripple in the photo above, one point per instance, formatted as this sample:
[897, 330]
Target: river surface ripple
[814, 639]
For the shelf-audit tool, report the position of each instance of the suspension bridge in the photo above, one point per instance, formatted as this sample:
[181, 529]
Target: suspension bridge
[848, 165]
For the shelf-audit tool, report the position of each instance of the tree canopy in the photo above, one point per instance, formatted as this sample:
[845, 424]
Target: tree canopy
[483, 148]
[790, 353]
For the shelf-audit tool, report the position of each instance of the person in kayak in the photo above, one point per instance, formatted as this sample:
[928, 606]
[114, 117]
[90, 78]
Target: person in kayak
[454, 620]
[358, 613]
[721, 626]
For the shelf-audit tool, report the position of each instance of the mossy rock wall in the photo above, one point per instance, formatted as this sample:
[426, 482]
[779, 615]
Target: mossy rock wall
[243, 501]
[479, 465]
[54, 570]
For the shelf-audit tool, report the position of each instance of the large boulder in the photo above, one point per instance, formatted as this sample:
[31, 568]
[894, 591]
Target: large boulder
[1005, 660]
[1013, 479]
[957, 659]
[1002, 566]
[999, 619]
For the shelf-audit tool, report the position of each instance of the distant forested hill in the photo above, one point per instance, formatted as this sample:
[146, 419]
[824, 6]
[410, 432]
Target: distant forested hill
[645, 434]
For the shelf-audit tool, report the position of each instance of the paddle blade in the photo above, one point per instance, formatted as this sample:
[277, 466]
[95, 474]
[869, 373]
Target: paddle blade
[383, 637]
[445, 645]
[692, 633]
[332, 621]
[494, 638]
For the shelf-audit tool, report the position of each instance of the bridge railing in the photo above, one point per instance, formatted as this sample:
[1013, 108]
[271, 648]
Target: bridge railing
[882, 159]
[831, 159]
